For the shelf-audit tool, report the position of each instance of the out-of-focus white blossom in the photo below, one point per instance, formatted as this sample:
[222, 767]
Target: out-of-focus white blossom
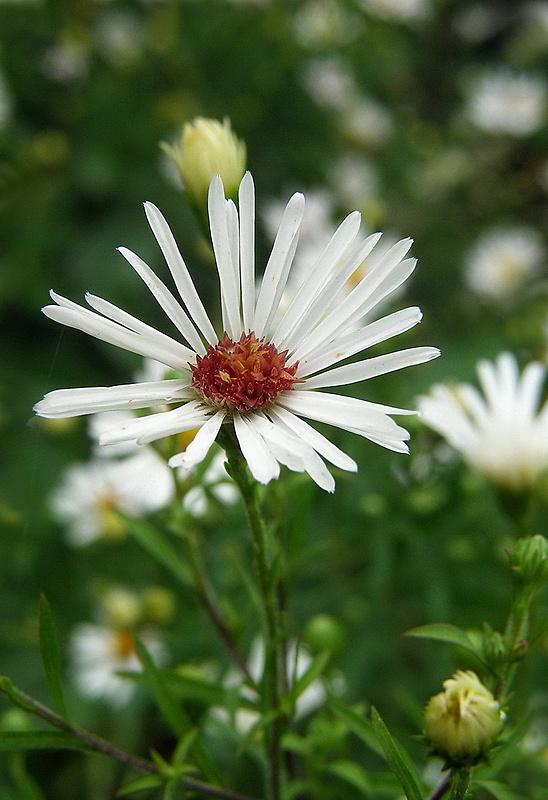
[298, 661]
[324, 22]
[90, 495]
[66, 62]
[366, 122]
[503, 260]
[399, 10]
[329, 82]
[503, 102]
[502, 432]
[215, 483]
[98, 653]
[119, 37]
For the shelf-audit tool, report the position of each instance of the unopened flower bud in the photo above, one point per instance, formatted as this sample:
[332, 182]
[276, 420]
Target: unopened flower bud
[121, 608]
[462, 721]
[531, 560]
[158, 605]
[323, 633]
[208, 147]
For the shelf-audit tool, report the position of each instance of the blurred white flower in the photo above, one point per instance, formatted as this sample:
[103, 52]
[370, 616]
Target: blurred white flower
[119, 37]
[323, 22]
[90, 496]
[399, 10]
[504, 102]
[5, 102]
[98, 653]
[477, 22]
[503, 260]
[65, 62]
[298, 661]
[329, 82]
[355, 181]
[366, 122]
[502, 433]
[215, 483]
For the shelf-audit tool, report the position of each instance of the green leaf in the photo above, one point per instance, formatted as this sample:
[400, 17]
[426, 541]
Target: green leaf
[38, 740]
[170, 788]
[51, 661]
[175, 716]
[196, 689]
[25, 783]
[352, 773]
[444, 632]
[148, 782]
[173, 713]
[359, 725]
[160, 549]
[398, 759]
[499, 790]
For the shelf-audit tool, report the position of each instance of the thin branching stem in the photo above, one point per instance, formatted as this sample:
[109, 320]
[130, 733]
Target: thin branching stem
[99, 745]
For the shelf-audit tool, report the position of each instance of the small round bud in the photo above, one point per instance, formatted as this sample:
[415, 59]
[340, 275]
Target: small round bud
[158, 605]
[208, 147]
[322, 633]
[121, 608]
[462, 721]
[531, 560]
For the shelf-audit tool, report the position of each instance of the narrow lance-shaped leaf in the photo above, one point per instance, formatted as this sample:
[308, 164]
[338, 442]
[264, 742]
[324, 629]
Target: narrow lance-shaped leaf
[445, 632]
[173, 713]
[51, 661]
[160, 549]
[398, 759]
[359, 725]
[148, 782]
[38, 740]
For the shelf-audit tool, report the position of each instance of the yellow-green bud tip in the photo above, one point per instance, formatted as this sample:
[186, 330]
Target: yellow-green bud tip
[208, 147]
[461, 722]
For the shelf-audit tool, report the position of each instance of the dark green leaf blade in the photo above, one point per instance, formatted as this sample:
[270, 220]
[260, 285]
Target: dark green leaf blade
[38, 740]
[445, 632]
[398, 759]
[51, 660]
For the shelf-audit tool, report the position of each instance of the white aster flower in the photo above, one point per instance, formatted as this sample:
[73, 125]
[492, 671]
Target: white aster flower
[261, 375]
[90, 496]
[214, 483]
[504, 102]
[502, 260]
[502, 433]
[98, 653]
[399, 10]
[298, 662]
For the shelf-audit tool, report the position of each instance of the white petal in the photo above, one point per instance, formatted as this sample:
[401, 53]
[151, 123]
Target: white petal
[313, 437]
[279, 263]
[317, 308]
[176, 355]
[356, 341]
[371, 367]
[199, 446]
[165, 299]
[383, 278]
[317, 276]
[262, 464]
[90, 400]
[225, 258]
[295, 453]
[179, 271]
[247, 248]
[143, 430]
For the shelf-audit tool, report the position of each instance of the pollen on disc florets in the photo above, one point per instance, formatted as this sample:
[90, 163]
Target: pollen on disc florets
[243, 375]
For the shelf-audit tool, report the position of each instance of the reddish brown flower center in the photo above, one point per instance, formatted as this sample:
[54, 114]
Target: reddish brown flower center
[242, 375]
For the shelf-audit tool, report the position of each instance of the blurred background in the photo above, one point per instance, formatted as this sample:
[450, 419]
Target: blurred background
[430, 117]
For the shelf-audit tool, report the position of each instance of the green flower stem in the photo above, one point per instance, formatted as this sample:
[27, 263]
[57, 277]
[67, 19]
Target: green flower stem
[265, 559]
[515, 636]
[209, 601]
[460, 781]
[99, 745]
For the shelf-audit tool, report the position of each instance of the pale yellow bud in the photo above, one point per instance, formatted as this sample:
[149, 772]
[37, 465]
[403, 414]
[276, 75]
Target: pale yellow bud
[463, 720]
[121, 608]
[208, 147]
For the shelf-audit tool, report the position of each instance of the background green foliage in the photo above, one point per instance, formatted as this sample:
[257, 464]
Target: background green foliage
[406, 542]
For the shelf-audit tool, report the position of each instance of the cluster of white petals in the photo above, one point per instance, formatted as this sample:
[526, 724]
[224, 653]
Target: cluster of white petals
[502, 433]
[319, 330]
